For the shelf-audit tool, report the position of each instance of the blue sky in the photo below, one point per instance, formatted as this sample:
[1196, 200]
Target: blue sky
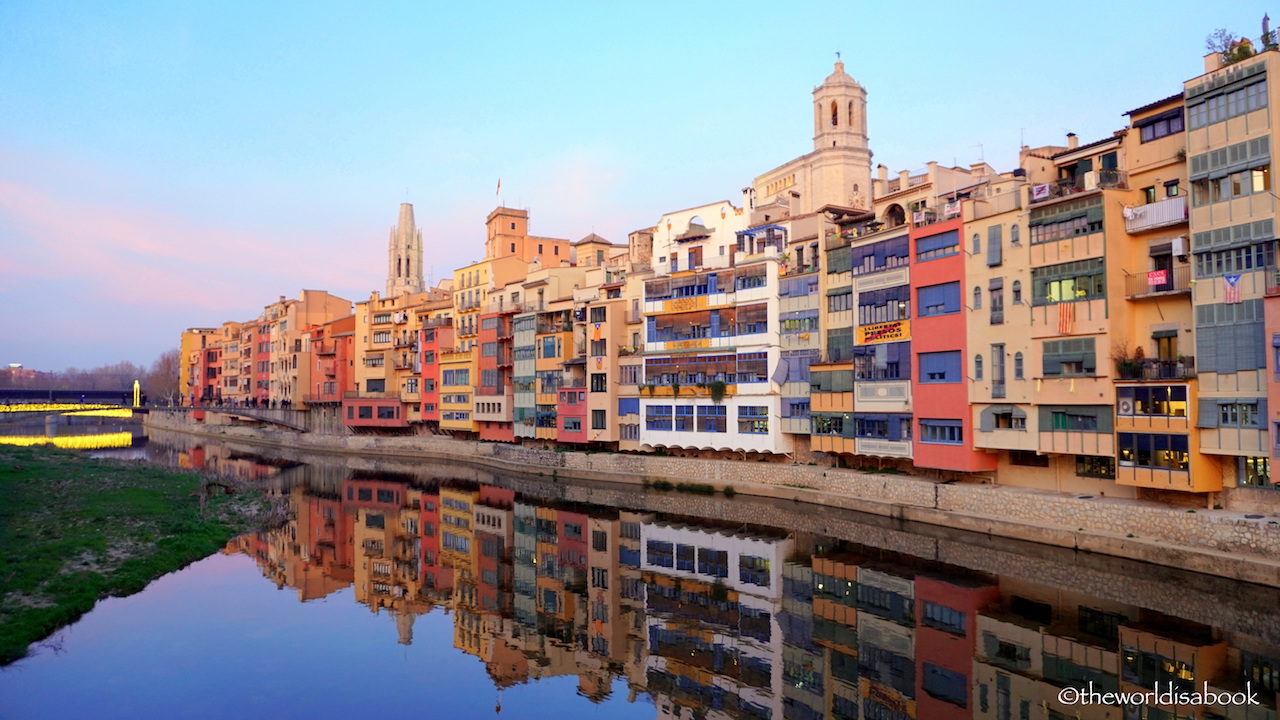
[178, 164]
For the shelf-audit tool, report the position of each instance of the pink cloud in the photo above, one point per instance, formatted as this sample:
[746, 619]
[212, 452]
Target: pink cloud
[139, 256]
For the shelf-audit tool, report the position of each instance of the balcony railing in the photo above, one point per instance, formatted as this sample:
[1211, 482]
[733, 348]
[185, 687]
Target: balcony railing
[325, 347]
[1171, 211]
[1156, 282]
[1092, 180]
[406, 342]
[1153, 369]
[998, 390]
[634, 317]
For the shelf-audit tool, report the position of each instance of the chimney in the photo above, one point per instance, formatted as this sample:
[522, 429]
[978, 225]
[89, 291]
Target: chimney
[1073, 142]
[882, 173]
[904, 179]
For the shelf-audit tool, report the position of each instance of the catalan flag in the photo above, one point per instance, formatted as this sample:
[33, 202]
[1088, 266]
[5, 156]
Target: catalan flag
[1066, 318]
[1231, 294]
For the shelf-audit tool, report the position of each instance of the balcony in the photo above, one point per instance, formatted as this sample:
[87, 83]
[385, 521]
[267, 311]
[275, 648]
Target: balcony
[1156, 370]
[1171, 211]
[325, 347]
[403, 364]
[998, 390]
[1273, 282]
[438, 322]
[1158, 282]
[1088, 182]
[408, 342]
[634, 318]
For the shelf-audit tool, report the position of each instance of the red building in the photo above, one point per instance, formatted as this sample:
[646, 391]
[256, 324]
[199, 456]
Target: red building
[940, 399]
[494, 394]
[571, 413]
[946, 639]
[208, 372]
[435, 337]
[332, 359]
[262, 365]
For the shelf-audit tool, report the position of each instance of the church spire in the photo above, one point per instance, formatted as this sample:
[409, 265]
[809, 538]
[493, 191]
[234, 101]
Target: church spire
[404, 255]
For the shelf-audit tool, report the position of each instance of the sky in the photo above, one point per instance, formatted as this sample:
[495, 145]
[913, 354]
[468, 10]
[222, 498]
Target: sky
[179, 164]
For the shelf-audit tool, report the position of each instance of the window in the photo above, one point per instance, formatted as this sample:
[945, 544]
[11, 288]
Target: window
[943, 618]
[977, 298]
[1097, 467]
[887, 305]
[598, 421]
[1070, 357]
[1063, 420]
[684, 418]
[1238, 414]
[997, 303]
[949, 432]
[599, 382]
[629, 374]
[1227, 105]
[1017, 366]
[573, 424]
[365, 412]
[977, 367]
[940, 367]
[1017, 291]
[1155, 451]
[754, 570]
[840, 302]
[1068, 282]
[977, 244]
[753, 420]
[657, 417]
[937, 246]
[1162, 125]
[1158, 401]
[1015, 235]
[712, 418]
[1235, 260]
[1256, 472]
[375, 386]
[945, 685]
[599, 347]
[598, 314]
[939, 299]
[1028, 458]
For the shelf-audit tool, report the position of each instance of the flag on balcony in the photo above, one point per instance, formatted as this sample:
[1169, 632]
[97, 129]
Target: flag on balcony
[1066, 317]
[1040, 192]
[1231, 296]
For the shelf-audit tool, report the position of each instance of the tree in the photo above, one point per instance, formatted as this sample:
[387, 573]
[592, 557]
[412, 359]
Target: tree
[162, 381]
[1227, 46]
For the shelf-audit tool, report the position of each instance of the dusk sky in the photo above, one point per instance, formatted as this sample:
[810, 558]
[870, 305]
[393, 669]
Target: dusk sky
[174, 165]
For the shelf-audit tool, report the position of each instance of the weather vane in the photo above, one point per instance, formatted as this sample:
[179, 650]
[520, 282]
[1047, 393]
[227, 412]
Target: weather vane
[837, 54]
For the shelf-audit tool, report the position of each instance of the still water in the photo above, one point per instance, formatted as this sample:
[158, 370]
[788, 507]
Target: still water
[448, 591]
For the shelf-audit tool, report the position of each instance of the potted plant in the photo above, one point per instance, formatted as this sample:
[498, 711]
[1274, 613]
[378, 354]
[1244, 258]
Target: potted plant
[675, 388]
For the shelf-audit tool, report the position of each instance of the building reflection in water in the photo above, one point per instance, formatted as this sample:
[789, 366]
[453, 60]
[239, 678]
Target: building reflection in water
[718, 620]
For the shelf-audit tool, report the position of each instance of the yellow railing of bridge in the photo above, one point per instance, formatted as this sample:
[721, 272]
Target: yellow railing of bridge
[72, 442]
[54, 407]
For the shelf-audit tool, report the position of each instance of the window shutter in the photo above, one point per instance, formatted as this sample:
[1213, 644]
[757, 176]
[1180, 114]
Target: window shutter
[1207, 415]
[995, 246]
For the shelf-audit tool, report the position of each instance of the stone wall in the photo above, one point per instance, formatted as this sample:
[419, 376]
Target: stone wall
[1216, 542]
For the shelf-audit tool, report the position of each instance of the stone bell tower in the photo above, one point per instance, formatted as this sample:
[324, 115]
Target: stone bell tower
[840, 131]
[404, 256]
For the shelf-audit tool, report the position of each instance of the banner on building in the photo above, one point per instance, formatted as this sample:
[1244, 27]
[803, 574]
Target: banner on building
[1040, 192]
[951, 209]
[1231, 293]
[884, 332]
[1157, 277]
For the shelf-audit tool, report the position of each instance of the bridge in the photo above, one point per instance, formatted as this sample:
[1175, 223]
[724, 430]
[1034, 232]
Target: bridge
[99, 397]
[285, 417]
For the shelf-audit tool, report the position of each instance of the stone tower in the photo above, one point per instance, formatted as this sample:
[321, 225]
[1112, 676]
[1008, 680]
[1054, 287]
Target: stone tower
[840, 128]
[404, 256]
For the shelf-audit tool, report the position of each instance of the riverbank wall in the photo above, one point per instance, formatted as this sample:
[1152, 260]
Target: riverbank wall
[1222, 543]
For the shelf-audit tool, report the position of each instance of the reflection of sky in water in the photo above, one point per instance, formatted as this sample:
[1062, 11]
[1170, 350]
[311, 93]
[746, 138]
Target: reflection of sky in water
[217, 640]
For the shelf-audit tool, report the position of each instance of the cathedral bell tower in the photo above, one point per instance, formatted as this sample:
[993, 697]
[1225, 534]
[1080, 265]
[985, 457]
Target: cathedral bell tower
[404, 256]
[840, 127]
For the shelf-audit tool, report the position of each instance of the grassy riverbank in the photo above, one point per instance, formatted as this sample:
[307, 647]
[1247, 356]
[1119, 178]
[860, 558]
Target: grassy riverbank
[74, 529]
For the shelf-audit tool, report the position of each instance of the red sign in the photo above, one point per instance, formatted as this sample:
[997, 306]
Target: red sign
[1157, 277]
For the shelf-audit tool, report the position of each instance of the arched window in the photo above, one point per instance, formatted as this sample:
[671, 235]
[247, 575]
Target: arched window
[977, 367]
[407, 272]
[1017, 290]
[977, 298]
[1015, 235]
[848, 118]
[1017, 366]
[977, 243]
[398, 273]
[835, 120]
[895, 216]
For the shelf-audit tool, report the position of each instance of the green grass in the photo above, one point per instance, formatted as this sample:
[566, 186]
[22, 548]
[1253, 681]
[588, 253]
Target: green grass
[74, 529]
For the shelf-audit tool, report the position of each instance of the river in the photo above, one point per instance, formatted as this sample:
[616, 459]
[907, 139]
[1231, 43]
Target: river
[450, 591]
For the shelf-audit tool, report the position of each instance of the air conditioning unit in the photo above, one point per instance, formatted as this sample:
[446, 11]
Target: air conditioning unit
[1180, 246]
